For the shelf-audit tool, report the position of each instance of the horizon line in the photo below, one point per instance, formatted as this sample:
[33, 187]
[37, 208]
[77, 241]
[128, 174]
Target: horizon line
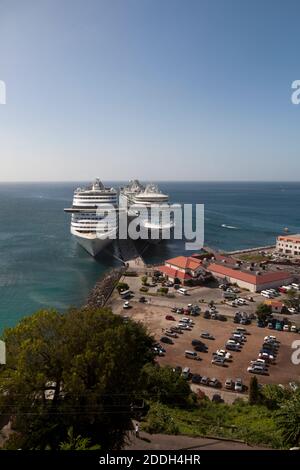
[154, 180]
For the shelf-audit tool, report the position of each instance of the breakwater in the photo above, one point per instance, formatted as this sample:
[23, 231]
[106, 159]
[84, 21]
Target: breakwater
[103, 289]
[251, 250]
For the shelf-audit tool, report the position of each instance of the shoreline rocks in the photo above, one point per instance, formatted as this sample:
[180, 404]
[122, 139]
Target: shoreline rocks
[103, 288]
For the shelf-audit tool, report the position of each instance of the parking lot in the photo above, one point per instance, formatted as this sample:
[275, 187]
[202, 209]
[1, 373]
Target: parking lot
[153, 316]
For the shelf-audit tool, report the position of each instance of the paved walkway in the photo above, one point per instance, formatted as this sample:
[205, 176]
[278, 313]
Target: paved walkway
[166, 442]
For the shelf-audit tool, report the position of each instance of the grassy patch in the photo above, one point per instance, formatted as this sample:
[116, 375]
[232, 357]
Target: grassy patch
[253, 424]
[252, 257]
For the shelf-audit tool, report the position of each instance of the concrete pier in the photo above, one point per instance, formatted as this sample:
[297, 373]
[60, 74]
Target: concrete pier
[130, 255]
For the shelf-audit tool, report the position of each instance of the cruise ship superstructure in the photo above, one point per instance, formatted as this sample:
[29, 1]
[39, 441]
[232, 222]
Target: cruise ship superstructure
[90, 223]
[150, 204]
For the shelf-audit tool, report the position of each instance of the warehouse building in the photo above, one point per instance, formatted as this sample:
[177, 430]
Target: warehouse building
[254, 281]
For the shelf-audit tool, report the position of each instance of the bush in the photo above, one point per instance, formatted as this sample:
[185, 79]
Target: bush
[163, 290]
[159, 421]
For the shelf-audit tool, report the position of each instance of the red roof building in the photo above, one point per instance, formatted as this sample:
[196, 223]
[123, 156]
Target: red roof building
[184, 268]
[276, 305]
[253, 281]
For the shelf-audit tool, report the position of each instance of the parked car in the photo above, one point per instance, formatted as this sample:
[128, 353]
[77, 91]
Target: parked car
[204, 380]
[197, 342]
[266, 356]
[238, 386]
[171, 333]
[196, 379]
[271, 338]
[126, 304]
[176, 329]
[201, 348]
[170, 317]
[166, 339]
[158, 345]
[234, 341]
[187, 320]
[186, 373]
[207, 335]
[292, 310]
[214, 383]
[229, 384]
[158, 351]
[241, 330]
[182, 291]
[221, 317]
[256, 370]
[184, 326]
[190, 354]
[223, 353]
[232, 347]
[218, 361]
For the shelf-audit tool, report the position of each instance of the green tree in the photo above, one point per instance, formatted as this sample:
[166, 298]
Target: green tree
[144, 280]
[77, 442]
[292, 299]
[164, 385]
[263, 311]
[122, 286]
[288, 420]
[254, 395]
[273, 395]
[78, 370]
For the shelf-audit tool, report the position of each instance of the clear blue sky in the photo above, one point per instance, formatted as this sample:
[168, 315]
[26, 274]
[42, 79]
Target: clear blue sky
[150, 89]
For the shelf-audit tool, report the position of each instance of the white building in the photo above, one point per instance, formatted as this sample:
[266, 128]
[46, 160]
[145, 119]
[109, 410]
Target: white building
[289, 245]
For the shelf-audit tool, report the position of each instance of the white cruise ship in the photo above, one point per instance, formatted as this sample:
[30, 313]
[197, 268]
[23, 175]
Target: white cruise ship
[136, 198]
[94, 231]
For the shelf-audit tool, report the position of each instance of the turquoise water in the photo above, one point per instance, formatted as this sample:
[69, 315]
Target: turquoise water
[42, 266]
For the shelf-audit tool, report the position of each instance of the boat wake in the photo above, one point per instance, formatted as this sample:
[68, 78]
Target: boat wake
[229, 226]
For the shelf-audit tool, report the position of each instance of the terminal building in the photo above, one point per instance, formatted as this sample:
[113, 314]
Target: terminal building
[288, 245]
[254, 281]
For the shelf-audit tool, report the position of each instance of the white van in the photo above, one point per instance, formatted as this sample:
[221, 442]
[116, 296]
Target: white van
[266, 294]
[241, 330]
[295, 286]
[182, 290]
[186, 373]
[190, 354]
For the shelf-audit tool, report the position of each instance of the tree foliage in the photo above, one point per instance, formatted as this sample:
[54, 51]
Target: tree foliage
[122, 286]
[254, 395]
[263, 311]
[164, 385]
[77, 442]
[78, 370]
[288, 420]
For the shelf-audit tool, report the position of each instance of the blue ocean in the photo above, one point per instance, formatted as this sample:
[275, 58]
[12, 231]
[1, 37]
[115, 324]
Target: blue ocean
[41, 266]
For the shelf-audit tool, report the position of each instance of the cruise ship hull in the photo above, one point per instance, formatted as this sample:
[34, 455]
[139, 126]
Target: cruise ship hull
[91, 243]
